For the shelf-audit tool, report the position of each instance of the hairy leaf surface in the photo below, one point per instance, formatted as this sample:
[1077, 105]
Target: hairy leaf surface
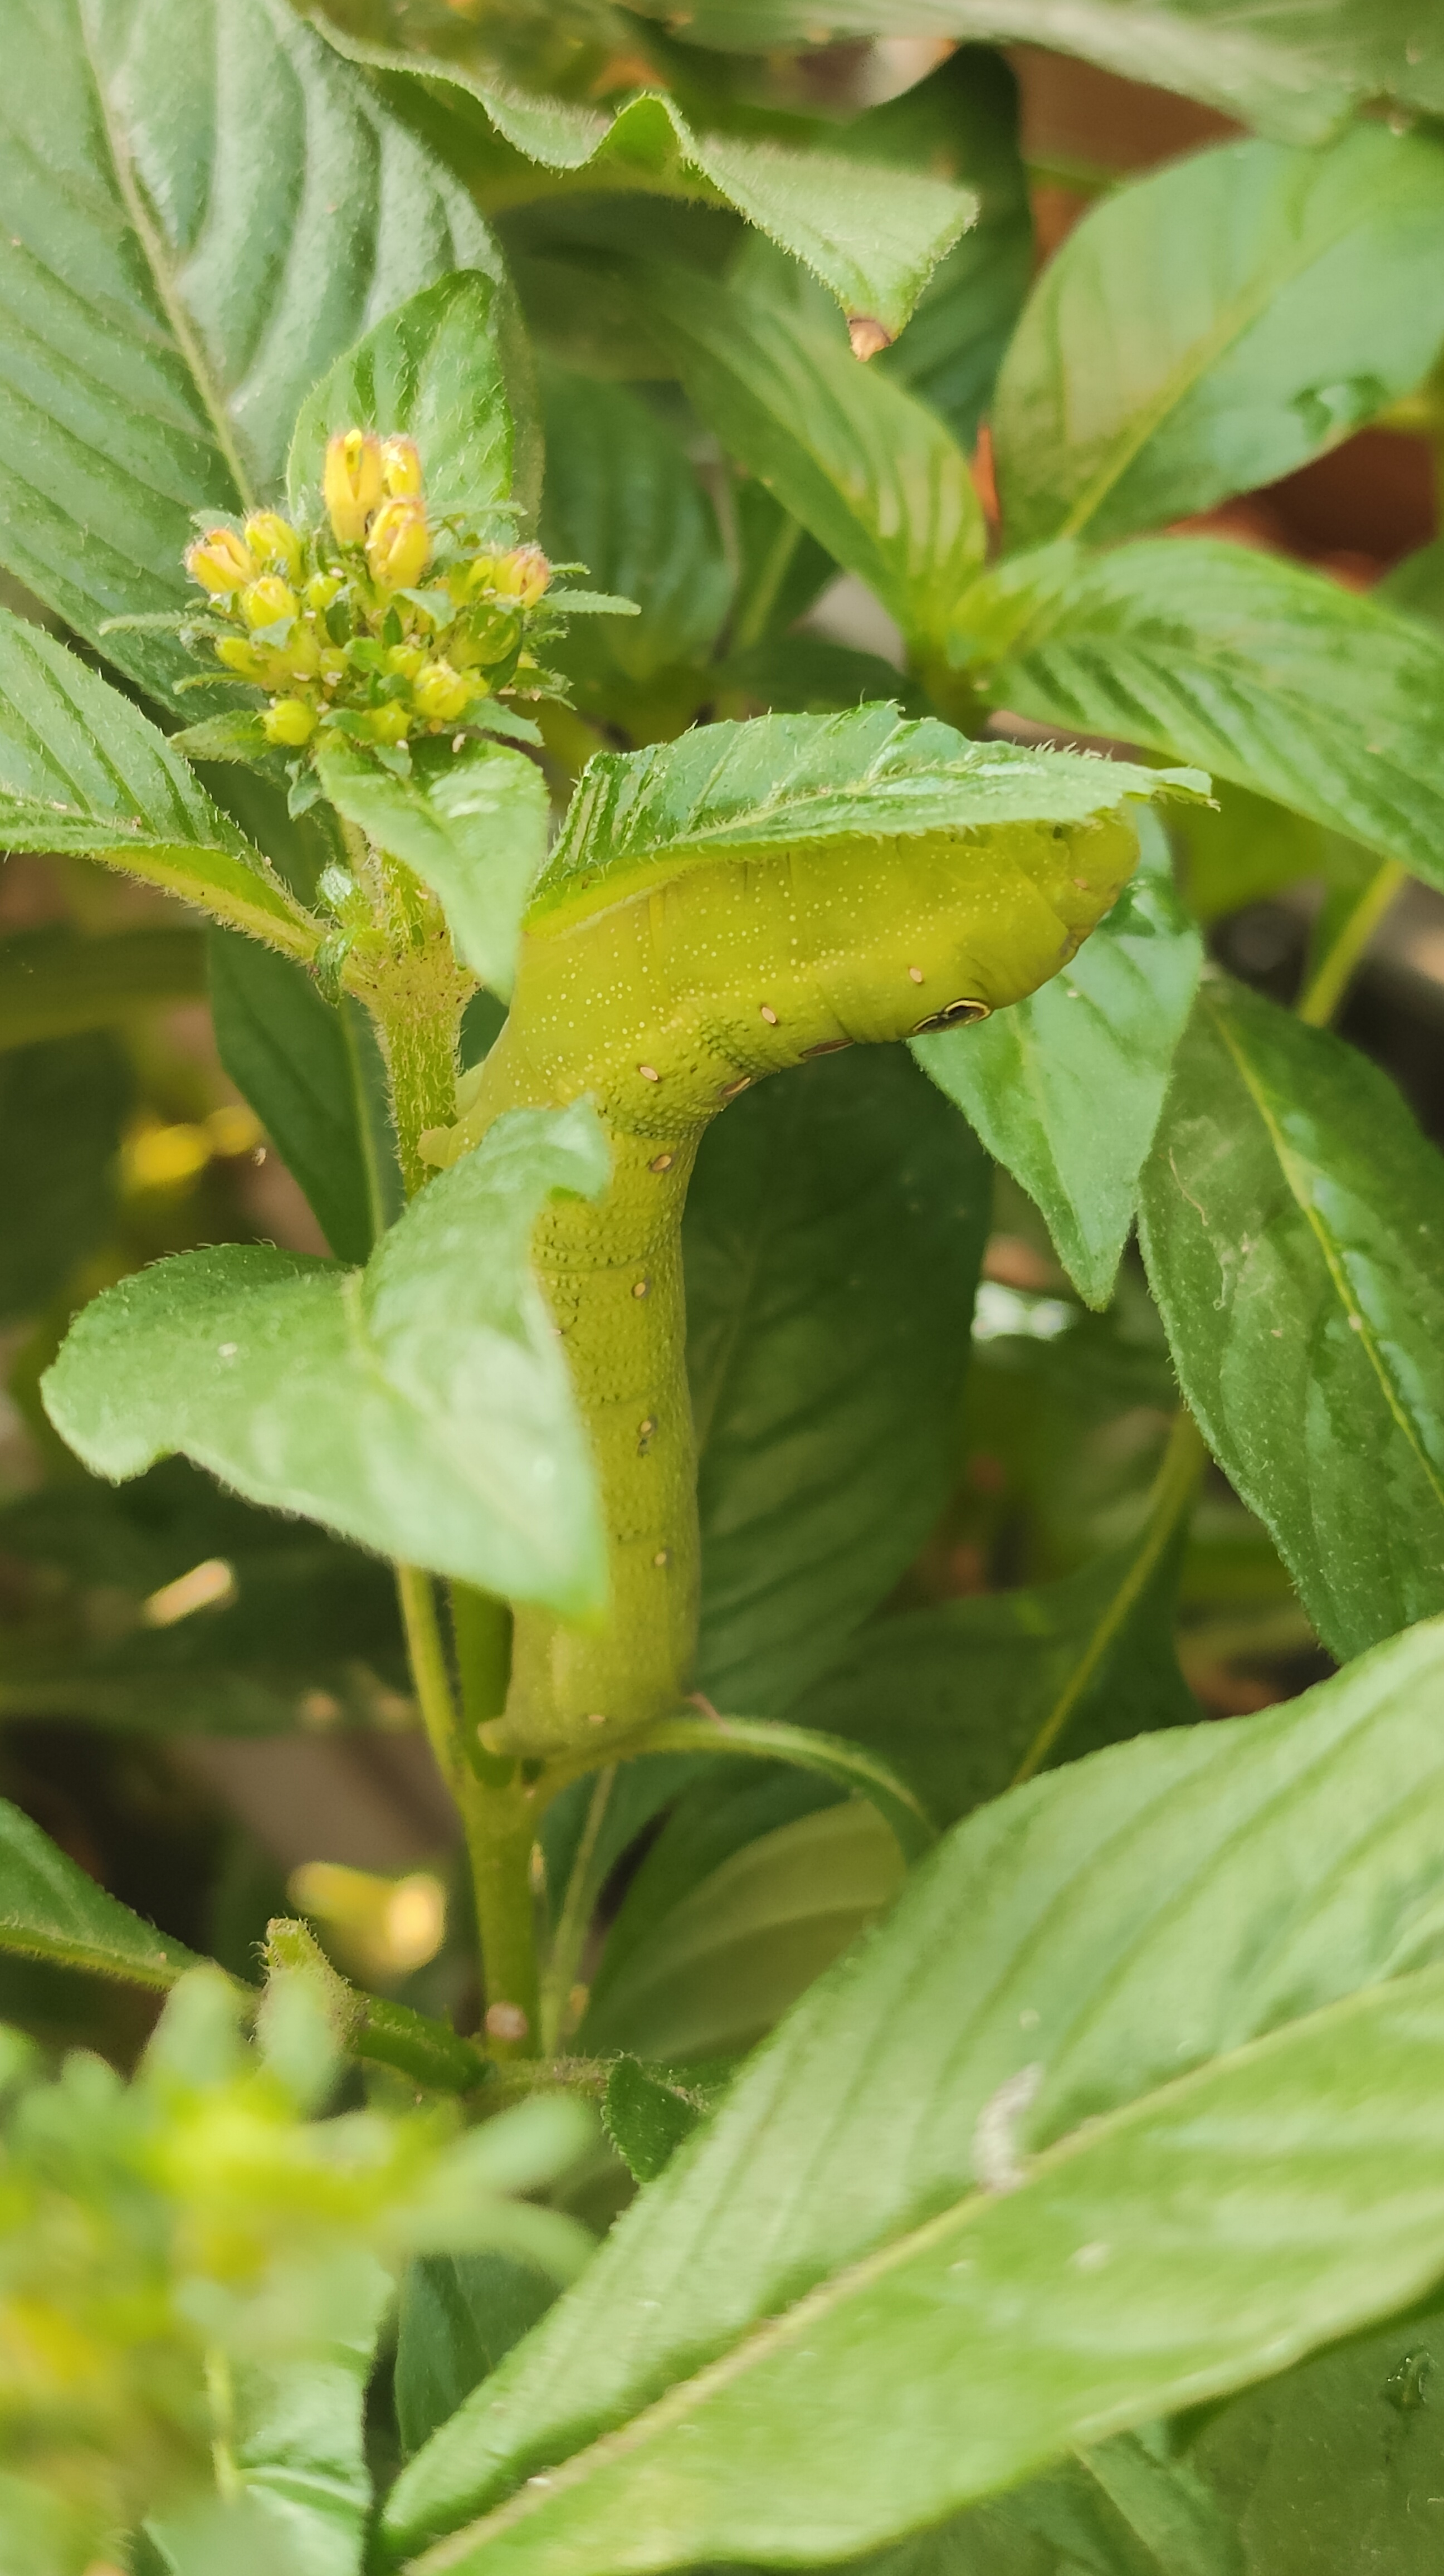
[832, 1237]
[83, 771]
[421, 1406]
[1178, 1943]
[872, 237]
[303, 1065]
[1214, 325]
[1293, 1225]
[875, 476]
[738, 790]
[473, 825]
[168, 292]
[450, 369]
[1295, 75]
[1260, 670]
[1065, 1089]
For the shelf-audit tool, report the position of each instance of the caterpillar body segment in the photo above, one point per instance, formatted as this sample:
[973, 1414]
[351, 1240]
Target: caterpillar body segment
[660, 998]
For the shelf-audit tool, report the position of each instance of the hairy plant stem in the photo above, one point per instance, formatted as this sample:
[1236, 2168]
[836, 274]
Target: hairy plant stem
[415, 993]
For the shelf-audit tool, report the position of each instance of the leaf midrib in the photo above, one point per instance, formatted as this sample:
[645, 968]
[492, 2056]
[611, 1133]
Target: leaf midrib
[1190, 370]
[183, 332]
[1359, 1323]
[758, 2346]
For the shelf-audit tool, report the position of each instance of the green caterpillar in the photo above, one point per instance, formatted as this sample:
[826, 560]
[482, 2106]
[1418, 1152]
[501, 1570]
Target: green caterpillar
[662, 980]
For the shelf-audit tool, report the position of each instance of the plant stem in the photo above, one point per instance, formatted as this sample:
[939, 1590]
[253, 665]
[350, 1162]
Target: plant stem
[569, 1939]
[498, 1821]
[1334, 970]
[417, 1596]
[1171, 1500]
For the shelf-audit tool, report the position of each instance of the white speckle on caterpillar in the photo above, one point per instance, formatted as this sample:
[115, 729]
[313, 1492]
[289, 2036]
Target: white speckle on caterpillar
[649, 1073]
[769, 1015]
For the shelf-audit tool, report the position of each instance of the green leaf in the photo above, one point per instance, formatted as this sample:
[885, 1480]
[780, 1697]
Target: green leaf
[50, 1909]
[94, 1628]
[300, 2454]
[304, 1066]
[1214, 325]
[963, 118]
[1293, 1225]
[1264, 672]
[1417, 584]
[956, 1697]
[57, 982]
[202, 207]
[806, 674]
[450, 368]
[622, 498]
[82, 771]
[1335, 2463]
[874, 475]
[1295, 76]
[473, 824]
[714, 1973]
[646, 2117]
[832, 1237]
[872, 237]
[63, 1105]
[1065, 1089]
[421, 1406]
[1244, 848]
[457, 2319]
[1178, 1945]
[767, 1740]
[782, 782]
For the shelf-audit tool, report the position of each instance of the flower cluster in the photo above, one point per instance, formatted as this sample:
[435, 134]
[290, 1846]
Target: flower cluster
[382, 624]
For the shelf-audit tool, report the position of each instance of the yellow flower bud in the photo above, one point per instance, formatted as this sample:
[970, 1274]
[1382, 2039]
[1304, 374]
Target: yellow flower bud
[290, 721]
[332, 663]
[401, 465]
[220, 562]
[522, 575]
[244, 659]
[267, 601]
[440, 694]
[390, 723]
[398, 548]
[302, 656]
[406, 659]
[273, 540]
[353, 482]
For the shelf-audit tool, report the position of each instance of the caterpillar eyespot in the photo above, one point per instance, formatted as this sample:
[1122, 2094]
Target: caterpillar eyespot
[955, 1015]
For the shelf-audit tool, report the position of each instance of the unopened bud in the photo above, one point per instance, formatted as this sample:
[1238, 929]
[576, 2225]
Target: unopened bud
[244, 659]
[321, 589]
[398, 548]
[273, 540]
[401, 466]
[289, 721]
[406, 660]
[522, 575]
[440, 694]
[353, 482]
[220, 562]
[267, 601]
[302, 656]
[390, 723]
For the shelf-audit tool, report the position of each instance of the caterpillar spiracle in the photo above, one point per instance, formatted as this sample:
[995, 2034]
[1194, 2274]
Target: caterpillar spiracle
[683, 944]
